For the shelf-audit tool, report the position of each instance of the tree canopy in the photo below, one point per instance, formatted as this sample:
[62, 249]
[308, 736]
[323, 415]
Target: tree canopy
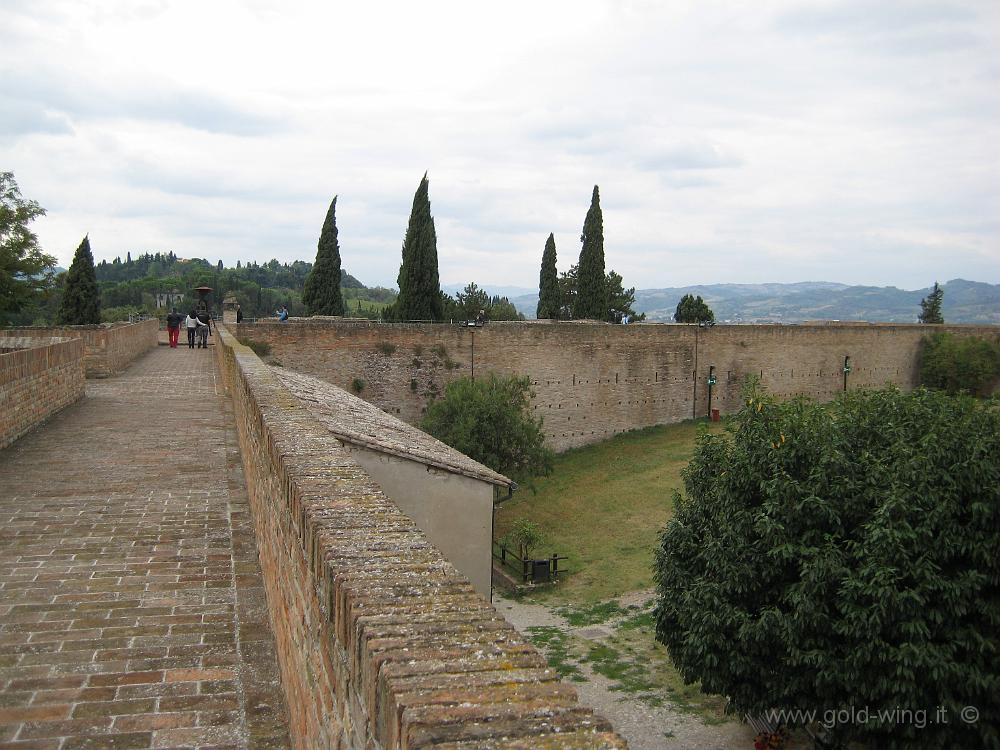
[81, 300]
[930, 306]
[473, 299]
[419, 286]
[693, 309]
[592, 291]
[844, 554]
[620, 300]
[489, 420]
[548, 283]
[321, 293]
[956, 364]
[25, 271]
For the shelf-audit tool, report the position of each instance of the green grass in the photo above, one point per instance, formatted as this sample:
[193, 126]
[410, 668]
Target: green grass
[629, 657]
[556, 645]
[604, 506]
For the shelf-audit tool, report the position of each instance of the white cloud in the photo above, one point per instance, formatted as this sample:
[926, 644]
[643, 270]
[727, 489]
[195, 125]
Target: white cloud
[773, 141]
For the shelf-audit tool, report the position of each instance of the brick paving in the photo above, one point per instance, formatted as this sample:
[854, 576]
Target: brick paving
[131, 608]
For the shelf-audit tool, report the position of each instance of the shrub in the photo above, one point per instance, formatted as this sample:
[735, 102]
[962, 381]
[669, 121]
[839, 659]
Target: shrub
[838, 556]
[955, 364]
[488, 420]
[357, 385]
[386, 348]
[524, 536]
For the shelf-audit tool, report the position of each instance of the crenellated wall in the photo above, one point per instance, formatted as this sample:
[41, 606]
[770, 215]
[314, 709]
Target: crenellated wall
[381, 642]
[593, 380]
[38, 377]
[108, 349]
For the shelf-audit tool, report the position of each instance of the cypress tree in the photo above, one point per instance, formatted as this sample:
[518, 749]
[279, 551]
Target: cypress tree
[592, 293]
[321, 294]
[930, 306]
[419, 287]
[81, 302]
[548, 283]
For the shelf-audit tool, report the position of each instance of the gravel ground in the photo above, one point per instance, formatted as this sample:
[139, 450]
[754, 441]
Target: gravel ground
[644, 727]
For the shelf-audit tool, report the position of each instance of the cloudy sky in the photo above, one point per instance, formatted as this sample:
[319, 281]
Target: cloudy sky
[854, 141]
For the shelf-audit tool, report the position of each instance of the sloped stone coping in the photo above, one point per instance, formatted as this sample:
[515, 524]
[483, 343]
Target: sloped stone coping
[382, 642]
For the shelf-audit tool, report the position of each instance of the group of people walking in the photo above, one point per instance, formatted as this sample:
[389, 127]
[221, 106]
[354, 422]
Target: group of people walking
[198, 325]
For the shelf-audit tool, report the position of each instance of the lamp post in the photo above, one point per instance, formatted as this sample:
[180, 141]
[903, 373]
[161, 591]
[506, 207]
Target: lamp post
[711, 382]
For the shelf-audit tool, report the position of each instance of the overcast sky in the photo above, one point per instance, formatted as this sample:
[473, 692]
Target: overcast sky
[856, 142]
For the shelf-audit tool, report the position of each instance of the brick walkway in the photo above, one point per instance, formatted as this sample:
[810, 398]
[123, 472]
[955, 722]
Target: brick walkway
[131, 614]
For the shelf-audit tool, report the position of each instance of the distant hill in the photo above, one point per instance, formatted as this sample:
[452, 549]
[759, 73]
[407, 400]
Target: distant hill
[964, 302]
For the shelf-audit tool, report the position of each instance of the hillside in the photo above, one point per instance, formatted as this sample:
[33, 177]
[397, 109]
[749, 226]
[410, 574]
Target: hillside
[964, 302]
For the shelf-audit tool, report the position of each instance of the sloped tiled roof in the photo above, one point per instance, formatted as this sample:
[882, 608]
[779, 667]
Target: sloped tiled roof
[358, 422]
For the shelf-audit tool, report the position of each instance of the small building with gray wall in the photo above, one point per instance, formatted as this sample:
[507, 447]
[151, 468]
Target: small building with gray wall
[448, 495]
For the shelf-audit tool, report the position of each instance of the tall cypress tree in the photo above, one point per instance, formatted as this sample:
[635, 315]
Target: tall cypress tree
[548, 283]
[419, 287]
[930, 306]
[592, 293]
[321, 294]
[81, 302]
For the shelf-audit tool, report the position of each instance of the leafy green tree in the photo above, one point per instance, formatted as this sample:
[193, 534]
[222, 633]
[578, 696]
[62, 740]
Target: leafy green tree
[471, 300]
[844, 554]
[568, 281]
[592, 292]
[502, 308]
[419, 285]
[930, 306]
[548, 283]
[621, 300]
[955, 364]
[488, 419]
[25, 271]
[524, 536]
[81, 301]
[693, 309]
[321, 293]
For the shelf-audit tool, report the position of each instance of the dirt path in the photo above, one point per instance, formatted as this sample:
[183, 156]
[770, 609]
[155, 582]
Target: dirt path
[645, 727]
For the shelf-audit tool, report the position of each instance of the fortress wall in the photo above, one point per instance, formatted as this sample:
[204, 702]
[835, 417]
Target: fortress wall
[593, 380]
[381, 642]
[108, 349]
[38, 377]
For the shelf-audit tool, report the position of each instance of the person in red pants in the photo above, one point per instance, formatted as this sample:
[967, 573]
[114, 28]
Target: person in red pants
[174, 319]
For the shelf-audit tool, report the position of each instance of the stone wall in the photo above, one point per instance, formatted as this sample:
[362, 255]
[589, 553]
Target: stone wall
[381, 642]
[109, 349]
[38, 377]
[593, 380]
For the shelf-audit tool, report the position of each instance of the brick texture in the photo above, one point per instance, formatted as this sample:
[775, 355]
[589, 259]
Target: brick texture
[381, 642]
[132, 613]
[108, 349]
[38, 378]
[593, 380]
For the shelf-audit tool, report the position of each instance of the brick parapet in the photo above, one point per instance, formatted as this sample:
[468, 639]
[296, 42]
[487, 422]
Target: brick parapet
[593, 380]
[38, 378]
[382, 643]
[108, 349]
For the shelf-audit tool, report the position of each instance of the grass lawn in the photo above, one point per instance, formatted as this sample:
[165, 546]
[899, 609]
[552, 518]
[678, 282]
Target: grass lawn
[603, 507]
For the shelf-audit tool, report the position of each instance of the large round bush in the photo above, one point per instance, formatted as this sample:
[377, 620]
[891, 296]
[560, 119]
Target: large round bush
[844, 558]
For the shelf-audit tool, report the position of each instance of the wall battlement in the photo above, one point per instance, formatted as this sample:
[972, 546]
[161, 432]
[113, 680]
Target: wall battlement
[108, 349]
[593, 380]
[381, 642]
[39, 376]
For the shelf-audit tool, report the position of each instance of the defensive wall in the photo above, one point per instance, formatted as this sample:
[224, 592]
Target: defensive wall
[381, 642]
[108, 348]
[38, 377]
[592, 380]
